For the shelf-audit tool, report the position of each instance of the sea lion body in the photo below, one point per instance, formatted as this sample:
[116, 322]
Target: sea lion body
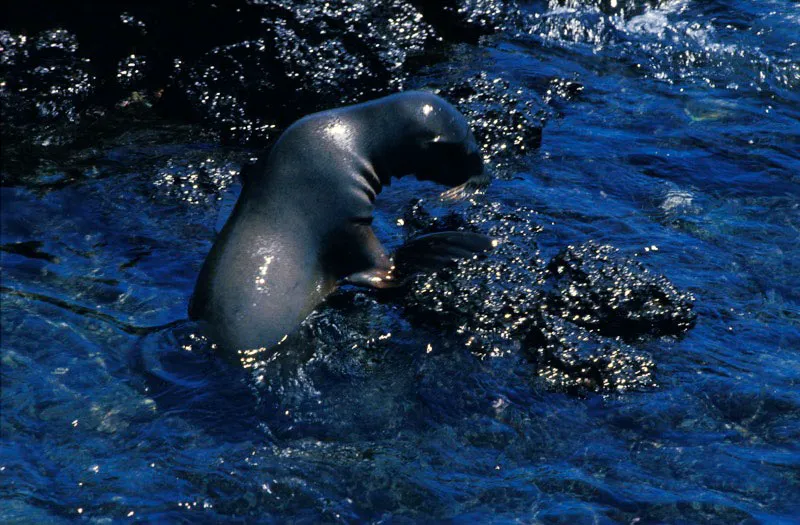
[302, 221]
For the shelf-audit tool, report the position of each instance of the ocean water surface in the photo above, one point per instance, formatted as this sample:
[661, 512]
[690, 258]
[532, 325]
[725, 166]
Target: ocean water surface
[671, 144]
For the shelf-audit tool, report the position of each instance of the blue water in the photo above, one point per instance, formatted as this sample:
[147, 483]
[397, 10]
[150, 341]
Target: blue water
[681, 151]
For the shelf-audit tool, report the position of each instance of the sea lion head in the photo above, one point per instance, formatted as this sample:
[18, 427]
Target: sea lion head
[443, 148]
[449, 153]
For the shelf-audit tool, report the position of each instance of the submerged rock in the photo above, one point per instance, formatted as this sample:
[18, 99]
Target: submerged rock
[574, 317]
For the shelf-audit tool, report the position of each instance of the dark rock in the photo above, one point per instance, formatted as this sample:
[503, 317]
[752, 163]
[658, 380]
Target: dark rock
[507, 120]
[219, 90]
[132, 72]
[577, 361]
[308, 56]
[610, 7]
[595, 287]
[244, 68]
[195, 180]
[572, 317]
[484, 298]
[43, 77]
[591, 27]
[562, 89]
[468, 20]
[46, 89]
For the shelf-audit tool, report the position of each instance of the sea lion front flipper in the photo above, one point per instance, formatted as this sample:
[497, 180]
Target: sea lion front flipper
[434, 251]
[423, 254]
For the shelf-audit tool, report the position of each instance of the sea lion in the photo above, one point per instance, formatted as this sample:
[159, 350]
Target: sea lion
[302, 222]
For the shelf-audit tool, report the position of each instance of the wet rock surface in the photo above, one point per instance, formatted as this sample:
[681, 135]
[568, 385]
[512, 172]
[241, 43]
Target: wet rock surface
[578, 361]
[507, 119]
[571, 316]
[307, 57]
[244, 69]
[468, 20]
[44, 77]
[45, 90]
[595, 287]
